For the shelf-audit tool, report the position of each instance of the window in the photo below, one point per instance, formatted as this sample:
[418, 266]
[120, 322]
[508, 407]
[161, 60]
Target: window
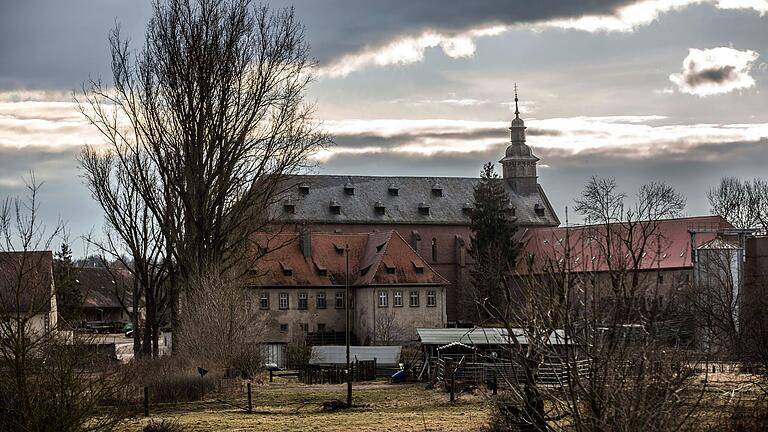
[304, 189]
[414, 299]
[283, 328]
[424, 209]
[349, 189]
[321, 302]
[303, 300]
[431, 299]
[379, 208]
[394, 190]
[398, 299]
[339, 299]
[383, 299]
[264, 301]
[283, 301]
[390, 269]
[289, 208]
[434, 249]
[334, 207]
[320, 327]
[304, 327]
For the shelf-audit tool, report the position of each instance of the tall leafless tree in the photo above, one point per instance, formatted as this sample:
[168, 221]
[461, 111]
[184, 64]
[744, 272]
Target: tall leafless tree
[131, 238]
[206, 121]
[743, 203]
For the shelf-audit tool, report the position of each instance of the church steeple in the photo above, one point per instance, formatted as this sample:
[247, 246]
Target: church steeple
[519, 163]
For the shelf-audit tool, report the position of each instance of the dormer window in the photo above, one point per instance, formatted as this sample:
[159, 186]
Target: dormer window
[513, 209]
[380, 247]
[437, 190]
[287, 269]
[394, 190]
[539, 209]
[321, 269]
[289, 207]
[424, 208]
[339, 249]
[334, 207]
[349, 188]
[389, 268]
[467, 208]
[364, 271]
[304, 189]
[418, 267]
[379, 208]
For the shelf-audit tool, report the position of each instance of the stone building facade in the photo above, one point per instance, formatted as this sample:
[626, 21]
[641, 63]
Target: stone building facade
[431, 213]
[300, 285]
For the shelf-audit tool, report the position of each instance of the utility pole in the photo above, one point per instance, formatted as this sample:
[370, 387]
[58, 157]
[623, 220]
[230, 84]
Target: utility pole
[346, 310]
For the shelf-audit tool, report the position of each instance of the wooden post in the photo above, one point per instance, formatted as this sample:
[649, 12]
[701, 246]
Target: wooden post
[453, 385]
[495, 383]
[374, 368]
[250, 400]
[270, 376]
[146, 401]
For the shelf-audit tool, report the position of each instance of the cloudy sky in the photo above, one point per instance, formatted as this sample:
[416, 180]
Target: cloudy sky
[639, 90]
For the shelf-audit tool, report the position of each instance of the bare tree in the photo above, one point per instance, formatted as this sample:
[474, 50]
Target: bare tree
[132, 238]
[742, 203]
[388, 329]
[627, 236]
[205, 124]
[577, 364]
[48, 383]
[227, 327]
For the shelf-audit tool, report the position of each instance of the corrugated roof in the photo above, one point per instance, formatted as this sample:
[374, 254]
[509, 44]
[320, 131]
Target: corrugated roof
[445, 208]
[337, 354]
[474, 336]
[480, 336]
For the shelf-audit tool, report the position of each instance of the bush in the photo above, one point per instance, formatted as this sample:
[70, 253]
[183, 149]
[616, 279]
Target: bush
[171, 381]
[163, 426]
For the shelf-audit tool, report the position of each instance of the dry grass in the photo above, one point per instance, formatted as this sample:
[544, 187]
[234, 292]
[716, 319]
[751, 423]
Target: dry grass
[289, 406]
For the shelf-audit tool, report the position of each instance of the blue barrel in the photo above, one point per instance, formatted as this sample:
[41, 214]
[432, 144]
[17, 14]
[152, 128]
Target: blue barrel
[398, 376]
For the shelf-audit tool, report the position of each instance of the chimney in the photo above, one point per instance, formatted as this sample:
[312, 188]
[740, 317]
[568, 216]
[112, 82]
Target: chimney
[305, 242]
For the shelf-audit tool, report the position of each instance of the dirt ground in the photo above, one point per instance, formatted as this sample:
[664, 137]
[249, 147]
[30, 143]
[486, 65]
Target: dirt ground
[289, 406]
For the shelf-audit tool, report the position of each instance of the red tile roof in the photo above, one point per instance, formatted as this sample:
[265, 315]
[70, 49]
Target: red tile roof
[668, 247]
[369, 256]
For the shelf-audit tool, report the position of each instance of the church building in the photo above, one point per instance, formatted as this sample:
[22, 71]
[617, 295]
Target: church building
[432, 214]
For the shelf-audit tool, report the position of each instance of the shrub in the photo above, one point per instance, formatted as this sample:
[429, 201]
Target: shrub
[163, 426]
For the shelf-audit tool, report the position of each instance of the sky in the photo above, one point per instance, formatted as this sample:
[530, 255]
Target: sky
[636, 90]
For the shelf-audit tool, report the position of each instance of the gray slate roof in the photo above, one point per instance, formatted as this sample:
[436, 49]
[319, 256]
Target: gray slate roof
[413, 192]
[337, 354]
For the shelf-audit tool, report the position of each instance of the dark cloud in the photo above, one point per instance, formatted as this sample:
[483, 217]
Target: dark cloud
[338, 27]
[58, 44]
[715, 75]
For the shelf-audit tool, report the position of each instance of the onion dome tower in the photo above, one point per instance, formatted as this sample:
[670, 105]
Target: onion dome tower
[519, 163]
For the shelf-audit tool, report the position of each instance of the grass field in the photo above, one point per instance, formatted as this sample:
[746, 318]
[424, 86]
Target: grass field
[288, 406]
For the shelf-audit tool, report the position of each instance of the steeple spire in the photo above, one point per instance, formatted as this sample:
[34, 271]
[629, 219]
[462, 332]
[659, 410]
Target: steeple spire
[517, 111]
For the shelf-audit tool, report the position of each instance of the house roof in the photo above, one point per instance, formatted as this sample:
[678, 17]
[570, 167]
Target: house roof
[26, 280]
[337, 354]
[311, 196]
[668, 247]
[377, 258]
[100, 289]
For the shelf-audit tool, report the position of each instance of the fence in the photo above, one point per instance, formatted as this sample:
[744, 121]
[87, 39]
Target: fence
[361, 370]
[504, 372]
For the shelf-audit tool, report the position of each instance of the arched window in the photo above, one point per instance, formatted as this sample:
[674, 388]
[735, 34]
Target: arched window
[434, 249]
